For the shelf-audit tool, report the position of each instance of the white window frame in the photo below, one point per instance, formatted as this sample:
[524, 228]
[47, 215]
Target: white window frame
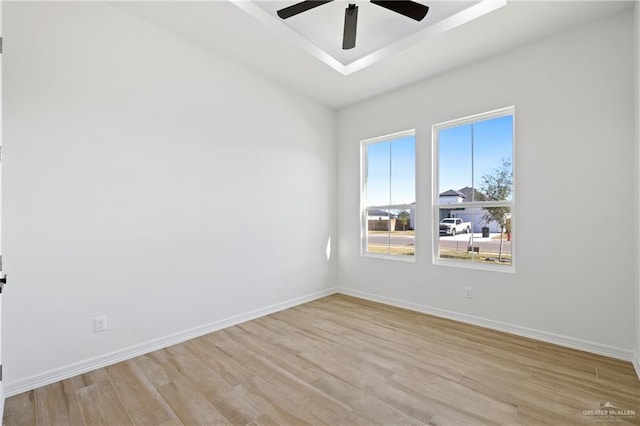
[502, 112]
[363, 197]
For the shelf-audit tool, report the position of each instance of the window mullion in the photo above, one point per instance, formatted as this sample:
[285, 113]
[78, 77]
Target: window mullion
[390, 198]
[473, 173]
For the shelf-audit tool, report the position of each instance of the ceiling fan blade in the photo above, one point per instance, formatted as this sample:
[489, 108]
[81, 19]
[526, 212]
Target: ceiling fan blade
[350, 26]
[410, 9]
[303, 6]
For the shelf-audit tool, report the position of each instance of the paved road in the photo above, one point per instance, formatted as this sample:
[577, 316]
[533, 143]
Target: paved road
[485, 244]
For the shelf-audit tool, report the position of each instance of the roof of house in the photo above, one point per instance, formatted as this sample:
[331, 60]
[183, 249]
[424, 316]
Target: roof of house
[478, 196]
[453, 193]
[380, 213]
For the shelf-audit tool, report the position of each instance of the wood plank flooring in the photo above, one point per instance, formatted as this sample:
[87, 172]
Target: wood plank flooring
[343, 361]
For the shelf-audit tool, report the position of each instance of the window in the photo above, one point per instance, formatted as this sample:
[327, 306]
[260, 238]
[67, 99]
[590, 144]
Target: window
[388, 196]
[474, 191]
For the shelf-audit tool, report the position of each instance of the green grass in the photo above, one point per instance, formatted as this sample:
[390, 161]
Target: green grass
[504, 237]
[483, 257]
[392, 233]
[407, 251]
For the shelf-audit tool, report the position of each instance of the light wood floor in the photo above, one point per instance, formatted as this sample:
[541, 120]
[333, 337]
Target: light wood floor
[341, 360]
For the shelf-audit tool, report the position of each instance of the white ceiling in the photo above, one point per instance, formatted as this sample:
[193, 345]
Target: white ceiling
[380, 32]
[230, 31]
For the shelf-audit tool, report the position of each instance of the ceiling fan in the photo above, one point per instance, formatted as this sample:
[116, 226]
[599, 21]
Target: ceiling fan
[410, 9]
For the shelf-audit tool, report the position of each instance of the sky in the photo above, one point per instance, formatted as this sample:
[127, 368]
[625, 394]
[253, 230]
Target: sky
[492, 142]
[391, 170]
[391, 164]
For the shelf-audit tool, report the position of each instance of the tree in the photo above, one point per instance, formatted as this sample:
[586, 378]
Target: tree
[498, 186]
[404, 218]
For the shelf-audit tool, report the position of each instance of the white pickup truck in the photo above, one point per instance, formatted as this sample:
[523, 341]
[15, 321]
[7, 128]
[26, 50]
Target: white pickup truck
[453, 226]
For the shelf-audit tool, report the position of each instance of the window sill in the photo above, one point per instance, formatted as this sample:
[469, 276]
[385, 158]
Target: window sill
[475, 265]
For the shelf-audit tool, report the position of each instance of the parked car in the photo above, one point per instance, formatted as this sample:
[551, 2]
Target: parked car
[454, 225]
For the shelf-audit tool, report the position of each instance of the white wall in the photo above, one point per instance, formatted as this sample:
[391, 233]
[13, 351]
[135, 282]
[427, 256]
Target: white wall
[148, 181]
[574, 135]
[2, 395]
[637, 109]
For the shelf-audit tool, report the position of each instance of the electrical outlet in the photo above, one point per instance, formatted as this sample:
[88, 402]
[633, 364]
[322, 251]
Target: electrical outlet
[468, 293]
[99, 324]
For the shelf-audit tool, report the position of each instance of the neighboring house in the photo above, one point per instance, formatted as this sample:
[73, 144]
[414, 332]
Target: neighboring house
[377, 218]
[467, 214]
[377, 214]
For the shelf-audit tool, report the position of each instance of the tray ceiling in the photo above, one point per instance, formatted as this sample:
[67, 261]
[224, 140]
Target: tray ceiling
[278, 53]
[381, 33]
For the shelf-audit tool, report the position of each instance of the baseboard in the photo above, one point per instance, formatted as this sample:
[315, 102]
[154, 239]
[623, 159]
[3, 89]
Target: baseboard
[105, 360]
[636, 364]
[55, 375]
[1, 401]
[570, 342]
